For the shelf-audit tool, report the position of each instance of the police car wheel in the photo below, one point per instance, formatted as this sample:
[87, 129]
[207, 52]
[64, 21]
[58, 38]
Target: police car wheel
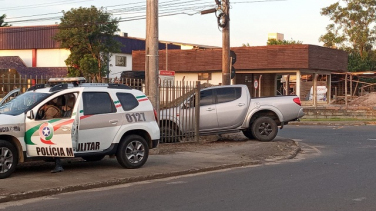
[133, 152]
[8, 159]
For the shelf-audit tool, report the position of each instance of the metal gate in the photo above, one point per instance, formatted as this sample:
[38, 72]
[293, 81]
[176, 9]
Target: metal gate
[179, 115]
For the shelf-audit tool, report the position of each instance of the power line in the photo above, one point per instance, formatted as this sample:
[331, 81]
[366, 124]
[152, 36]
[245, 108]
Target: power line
[42, 5]
[165, 8]
[250, 2]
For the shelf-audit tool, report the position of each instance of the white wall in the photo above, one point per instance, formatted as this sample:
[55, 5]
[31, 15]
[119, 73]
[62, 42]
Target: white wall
[25, 55]
[52, 57]
[216, 77]
[115, 71]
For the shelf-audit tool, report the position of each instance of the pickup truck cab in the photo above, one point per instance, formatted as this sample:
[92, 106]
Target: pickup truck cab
[226, 109]
[94, 120]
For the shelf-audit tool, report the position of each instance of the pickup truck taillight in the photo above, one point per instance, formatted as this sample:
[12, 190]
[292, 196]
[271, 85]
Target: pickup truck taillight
[297, 101]
[155, 115]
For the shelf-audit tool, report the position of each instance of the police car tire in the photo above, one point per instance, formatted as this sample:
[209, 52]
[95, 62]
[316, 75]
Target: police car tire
[264, 129]
[136, 158]
[93, 158]
[5, 146]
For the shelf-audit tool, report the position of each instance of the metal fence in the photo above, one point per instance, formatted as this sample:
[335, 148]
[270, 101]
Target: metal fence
[179, 110]
[178, 113]
[8, 82]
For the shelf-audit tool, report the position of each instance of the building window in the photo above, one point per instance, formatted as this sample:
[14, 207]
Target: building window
[204, 76]
[121, 61]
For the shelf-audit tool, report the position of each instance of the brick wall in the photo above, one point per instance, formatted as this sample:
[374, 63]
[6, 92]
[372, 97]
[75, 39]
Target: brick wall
[282, 57]
[340, 113]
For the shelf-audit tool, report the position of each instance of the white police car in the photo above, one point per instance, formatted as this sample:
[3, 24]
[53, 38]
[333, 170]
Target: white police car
[94, 120]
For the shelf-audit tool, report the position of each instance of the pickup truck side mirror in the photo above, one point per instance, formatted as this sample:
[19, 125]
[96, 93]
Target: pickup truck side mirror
[30, 114]
[185, 105]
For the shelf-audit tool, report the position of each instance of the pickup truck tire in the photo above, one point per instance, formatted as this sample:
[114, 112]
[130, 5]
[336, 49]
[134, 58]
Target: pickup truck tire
[248, 134]
[8, 159]
[169, 135]
[133, 152]
[93, 158]
[264, 129]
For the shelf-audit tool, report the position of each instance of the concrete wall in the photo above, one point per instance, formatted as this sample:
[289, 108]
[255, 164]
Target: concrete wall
[44, 58]
[115, 71]
[340, 113]
[52, 57]
[25, 55]
[215, 79]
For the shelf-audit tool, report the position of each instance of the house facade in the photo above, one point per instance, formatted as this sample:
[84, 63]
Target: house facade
[266, 70]
[35, 46]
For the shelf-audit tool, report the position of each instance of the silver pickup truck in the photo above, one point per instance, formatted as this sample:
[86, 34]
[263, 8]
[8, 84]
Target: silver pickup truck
[227, 109]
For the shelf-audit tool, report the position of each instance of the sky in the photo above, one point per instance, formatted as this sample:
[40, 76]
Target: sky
[250, 20]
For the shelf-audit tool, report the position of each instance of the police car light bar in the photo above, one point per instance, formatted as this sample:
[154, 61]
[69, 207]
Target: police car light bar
[69, 79]
[93, 85]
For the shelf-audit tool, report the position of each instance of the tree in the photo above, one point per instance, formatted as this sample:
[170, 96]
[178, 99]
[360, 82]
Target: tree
[88, 34]
[353, 25]
[246, 45]
[283, 42]
[2, 21]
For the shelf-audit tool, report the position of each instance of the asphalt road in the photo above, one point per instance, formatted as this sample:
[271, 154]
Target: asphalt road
[335, 171]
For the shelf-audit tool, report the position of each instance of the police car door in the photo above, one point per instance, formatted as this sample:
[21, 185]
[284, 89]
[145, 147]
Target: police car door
[48, 137]
[99, 122]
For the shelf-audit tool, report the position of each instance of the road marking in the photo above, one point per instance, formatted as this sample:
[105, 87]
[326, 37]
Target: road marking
[371, 139]
[177, 182]
[360, 199]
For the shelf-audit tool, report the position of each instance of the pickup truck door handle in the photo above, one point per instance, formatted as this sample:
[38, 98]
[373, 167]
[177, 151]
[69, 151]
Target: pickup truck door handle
[114, 121]
[241, 104]
[210, 109]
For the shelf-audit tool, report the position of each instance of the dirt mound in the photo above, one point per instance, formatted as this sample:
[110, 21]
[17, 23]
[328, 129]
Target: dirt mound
[365, 100]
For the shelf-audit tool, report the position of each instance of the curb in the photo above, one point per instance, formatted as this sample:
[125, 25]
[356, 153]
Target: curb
[333, 123]
[121, 181]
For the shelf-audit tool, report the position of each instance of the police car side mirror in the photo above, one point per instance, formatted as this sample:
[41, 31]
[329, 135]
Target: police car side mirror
[30, 114]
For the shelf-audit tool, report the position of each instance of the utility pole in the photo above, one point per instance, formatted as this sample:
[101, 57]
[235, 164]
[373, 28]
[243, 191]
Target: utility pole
[151, 61]
[226, 79]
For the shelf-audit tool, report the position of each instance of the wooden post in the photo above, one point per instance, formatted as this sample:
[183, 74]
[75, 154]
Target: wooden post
[346, 90]
[314, 89]
[288, 85]
[152, 54]
[197, 112]
[351, 86]
[298, 84]
[226, 75]
[329, 86]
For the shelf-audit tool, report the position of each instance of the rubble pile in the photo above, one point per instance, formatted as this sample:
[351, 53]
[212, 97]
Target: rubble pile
[365, 100]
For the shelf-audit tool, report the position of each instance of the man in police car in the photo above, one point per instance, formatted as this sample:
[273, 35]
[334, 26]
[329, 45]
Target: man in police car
[51, 110]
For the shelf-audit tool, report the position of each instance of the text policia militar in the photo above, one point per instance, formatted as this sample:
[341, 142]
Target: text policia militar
[55, 151]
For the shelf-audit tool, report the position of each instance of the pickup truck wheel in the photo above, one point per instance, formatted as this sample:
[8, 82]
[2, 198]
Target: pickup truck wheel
[248, 134]
[8, 159]
[264, 129]
[169, 135]
[133, 152]
[93, 158]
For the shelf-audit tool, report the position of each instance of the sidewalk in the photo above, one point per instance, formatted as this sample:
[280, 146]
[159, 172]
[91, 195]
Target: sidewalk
[33, 180]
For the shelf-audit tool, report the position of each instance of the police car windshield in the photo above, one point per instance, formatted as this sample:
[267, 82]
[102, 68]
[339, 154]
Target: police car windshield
[22, 103]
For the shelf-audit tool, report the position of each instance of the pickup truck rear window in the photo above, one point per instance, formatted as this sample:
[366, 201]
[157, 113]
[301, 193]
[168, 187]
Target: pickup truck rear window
[206, 97]
[228, 94]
